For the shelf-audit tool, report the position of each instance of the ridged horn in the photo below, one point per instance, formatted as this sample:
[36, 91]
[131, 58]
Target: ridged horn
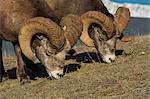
[40, 25]
[122, 18]
[73, 27]
[99, 18]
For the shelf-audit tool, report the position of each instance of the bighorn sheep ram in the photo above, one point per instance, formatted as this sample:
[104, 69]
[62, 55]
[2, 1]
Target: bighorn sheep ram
[59, 21]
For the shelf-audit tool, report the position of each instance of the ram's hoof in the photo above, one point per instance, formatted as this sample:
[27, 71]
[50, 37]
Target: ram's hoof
[24, 81]
[4, 77]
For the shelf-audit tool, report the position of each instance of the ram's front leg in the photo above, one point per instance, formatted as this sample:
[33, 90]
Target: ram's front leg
[2, 71]
[21, 65]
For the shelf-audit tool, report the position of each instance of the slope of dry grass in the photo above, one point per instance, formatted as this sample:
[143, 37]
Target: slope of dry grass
[85, 78]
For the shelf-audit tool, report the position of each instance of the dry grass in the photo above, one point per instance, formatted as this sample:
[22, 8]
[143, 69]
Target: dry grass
[127, 77]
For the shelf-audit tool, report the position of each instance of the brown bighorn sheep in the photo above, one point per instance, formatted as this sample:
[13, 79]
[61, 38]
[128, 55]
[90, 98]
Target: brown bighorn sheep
[58, 20]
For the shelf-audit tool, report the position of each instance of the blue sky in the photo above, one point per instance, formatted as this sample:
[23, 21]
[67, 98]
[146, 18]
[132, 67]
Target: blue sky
[147, 2]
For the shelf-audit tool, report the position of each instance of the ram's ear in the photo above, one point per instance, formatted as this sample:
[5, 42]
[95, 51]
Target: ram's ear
[122, 18]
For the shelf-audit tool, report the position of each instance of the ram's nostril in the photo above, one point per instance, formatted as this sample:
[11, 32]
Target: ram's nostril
[110, 59]
[60, 75]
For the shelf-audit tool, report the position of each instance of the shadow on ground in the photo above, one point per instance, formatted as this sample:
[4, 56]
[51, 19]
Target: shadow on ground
[89, 57]
[40, 71]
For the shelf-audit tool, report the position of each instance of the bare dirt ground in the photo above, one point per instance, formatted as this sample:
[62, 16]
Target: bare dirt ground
[127, 77]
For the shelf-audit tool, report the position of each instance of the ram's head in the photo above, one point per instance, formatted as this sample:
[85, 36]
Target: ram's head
[102, 31]
[59, 39]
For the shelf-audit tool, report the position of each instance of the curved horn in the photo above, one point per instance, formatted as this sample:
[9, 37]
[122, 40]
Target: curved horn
[72, 25]
[40, 25]
[122, 18]
[104, 21]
